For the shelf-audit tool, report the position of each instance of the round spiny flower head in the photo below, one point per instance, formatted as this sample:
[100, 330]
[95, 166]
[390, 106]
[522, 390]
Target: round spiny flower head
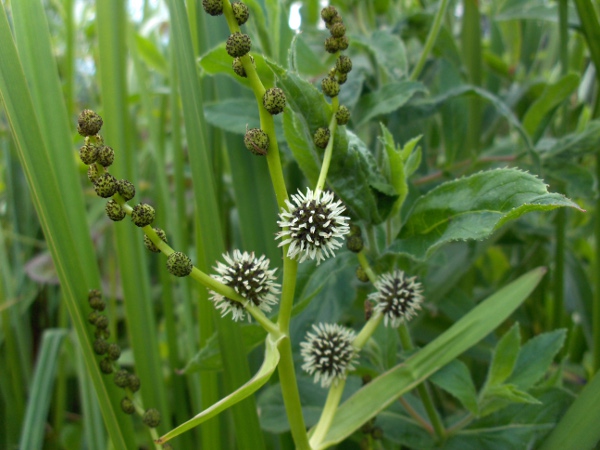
[88, 154]
[257, 141]
[106, 366]
[142, 215]
[398, 297]
[343, 64]
[88, 123]
[338, 29]
[101, 322]
[332, 45]
[100, 346]
[240, 12]
[343, 43]
[248, 276]
[121, 378]
[274, 100]
[150, 245]
[93, 316]
[127, 405]
[179, 264]
[106, 156]
[328, 353]
[114, 211]
[126, 189]
[92, 173]
[114, 351]
[321, 137]
[312, 226]
[342, 116]
[105, 185]
[330, 86]
[134, 383]
[336, 19]
[238, 44]
[213, 7]
[151, 417]
[328, 13]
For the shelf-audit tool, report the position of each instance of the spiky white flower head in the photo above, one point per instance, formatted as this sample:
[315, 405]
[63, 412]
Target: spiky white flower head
[314, 226]
[398, 297]
[328, 353]
[251, 278]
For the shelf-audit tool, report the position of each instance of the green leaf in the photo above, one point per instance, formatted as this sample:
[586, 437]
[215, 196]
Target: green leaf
[377, 395]
[500, 396]
[385, 100]
[150, 53]
[574, 144]
[267, 368]
[473, 207]
[389, 52]
[535, 358]
[504, 357]
[553, 95]
[455, 379]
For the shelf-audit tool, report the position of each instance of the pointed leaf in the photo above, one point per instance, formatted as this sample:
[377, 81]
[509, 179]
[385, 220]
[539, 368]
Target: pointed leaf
[456, 379]
[504, 357]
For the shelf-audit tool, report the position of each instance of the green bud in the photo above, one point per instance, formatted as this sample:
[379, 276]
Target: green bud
[126, 189]
[105, 185]
[257, 141]
[343, 43]
[93, 316]
[328, 13]
[114, 211]
[122, 378]
[88, 123]
[88, 154]
[338, 29]
[134, 383]
[332, 45]
[101, 322]
[93, 173]
[238, 68]
[127, 405]
[95, 300]
[354, 230]
[354, 243]
[150, 245]
[238, 44]
[240, 12]
[100, 346]
[179, 264]
[106, 156]
[151, 418]
[274, 100]
[336, 19]
[361, 274]
[321, 137]
[114, 351]
[342, 78]
[106, 366]
[102, 333]
[142, 215]
[213, 7]
[343, 64]
[342, 116]
[330, 87]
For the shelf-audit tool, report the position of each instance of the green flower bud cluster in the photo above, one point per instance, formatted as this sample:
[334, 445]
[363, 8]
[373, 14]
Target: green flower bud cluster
[274, 100]
[338, 40]
[150, 245]
[257, 141]
[321, 137]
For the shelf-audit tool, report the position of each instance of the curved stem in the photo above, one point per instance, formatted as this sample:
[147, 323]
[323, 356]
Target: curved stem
[329, 149]
[333, 400]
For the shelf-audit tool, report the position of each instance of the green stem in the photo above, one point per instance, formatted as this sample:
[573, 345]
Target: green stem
[596, 304]
[328, 413]
[431, 38]
[329, 148]
[362, 259]
[424, 393]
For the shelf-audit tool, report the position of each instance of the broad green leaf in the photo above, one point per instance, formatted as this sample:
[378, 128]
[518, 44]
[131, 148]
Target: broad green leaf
[297, 137]
[389, 52]
[500, 396]
[535, 358]
[573, 144]
[236, 115]
[267, 368]
[473, 207]
[456, 379]
[150, 53]
[553, 95]
[41, 390]
[504, 357]
[385, 100]
[377, 395]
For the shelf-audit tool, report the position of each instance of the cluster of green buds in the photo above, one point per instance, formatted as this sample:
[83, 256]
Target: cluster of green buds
[118, 192]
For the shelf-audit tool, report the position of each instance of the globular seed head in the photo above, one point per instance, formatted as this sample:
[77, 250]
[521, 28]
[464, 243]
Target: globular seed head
[93, 316]
[342, 116]
[343, 64]
[354, 243]
[142, 215]
[121, 378]
[332, 45]
[101, 333]
[328, 13]
[101, 322]
[240, 12]
[114, 351]
[257, 141]
[150, 245]
[88, 154]
[88, 123]
[127, 405]
[151, 418]
[134, 383]
[213, 7]
[238, 44]
[114, 211]
[361, 274]
[330, 86]
[95, 300]
[338, 29]
[179, 264]
[100, 346]
[106, 366]
[321, 137]
[105, 185]
[238, 68]
[342, 78]
[106, 156]
[92, 173]
[336, 19]
[343, 43]
[355, 230]
[126, 189]
[274, 100]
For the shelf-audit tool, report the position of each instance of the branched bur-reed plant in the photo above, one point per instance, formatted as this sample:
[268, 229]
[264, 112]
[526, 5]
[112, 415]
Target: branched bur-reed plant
[350, 196]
